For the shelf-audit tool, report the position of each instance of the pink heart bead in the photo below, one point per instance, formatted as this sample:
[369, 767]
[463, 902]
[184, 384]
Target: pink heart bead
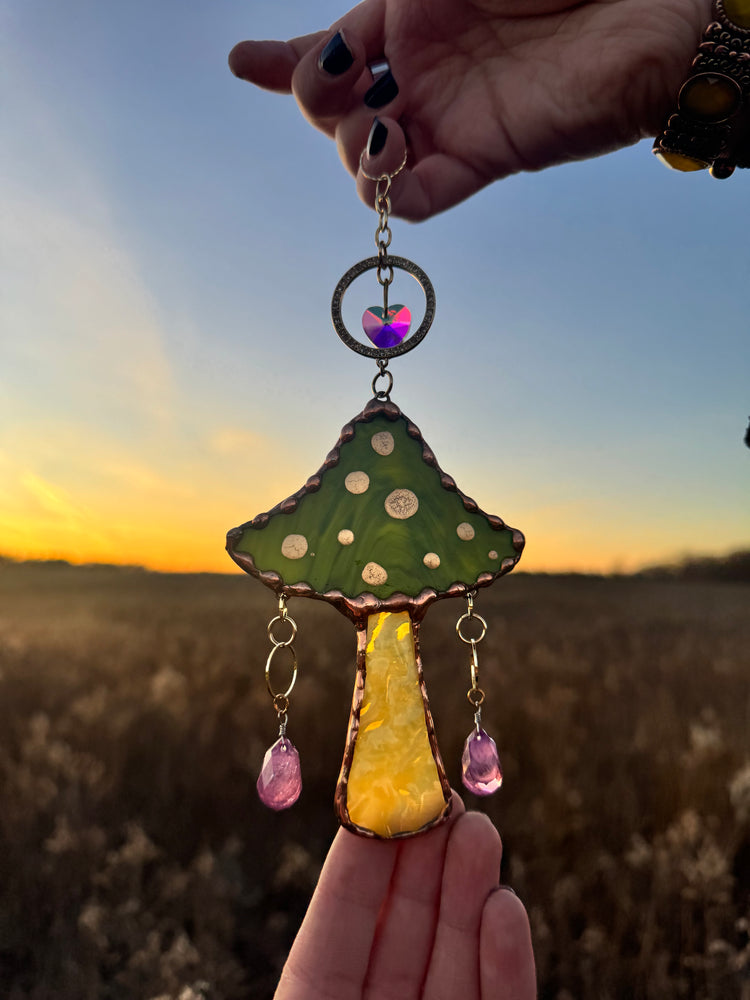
[386, 331]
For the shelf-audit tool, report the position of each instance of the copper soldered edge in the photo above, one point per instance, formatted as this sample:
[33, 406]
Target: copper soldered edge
[358, 608]
[339, 800]
[431, 735]
[340, 797]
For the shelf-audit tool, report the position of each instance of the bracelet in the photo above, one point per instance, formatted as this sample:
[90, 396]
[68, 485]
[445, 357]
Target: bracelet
[711, 127]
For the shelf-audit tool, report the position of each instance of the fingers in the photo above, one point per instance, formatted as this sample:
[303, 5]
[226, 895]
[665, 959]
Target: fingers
[472, 869]
[404, 940]
[331, 79]
[506, 955]
[409, 199]
[331, 953]
[270, 64]
[430, 183]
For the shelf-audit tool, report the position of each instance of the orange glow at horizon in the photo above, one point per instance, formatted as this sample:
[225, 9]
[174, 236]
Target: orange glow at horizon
[186, 545]
[170, 511]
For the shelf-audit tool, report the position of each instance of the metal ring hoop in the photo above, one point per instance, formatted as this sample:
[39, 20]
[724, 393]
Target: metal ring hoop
[383, 176]
[473, 616]
[283, 619]
[382, 393]
[269, 661]
[475, 696]
[370, 264]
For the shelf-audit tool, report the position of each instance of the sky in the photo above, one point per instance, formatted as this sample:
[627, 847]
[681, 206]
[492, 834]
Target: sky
[170, 242]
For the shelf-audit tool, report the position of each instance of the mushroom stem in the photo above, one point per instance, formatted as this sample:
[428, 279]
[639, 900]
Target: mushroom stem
[392, 781]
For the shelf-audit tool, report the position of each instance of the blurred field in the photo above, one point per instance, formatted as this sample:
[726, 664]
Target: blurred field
[136, 861]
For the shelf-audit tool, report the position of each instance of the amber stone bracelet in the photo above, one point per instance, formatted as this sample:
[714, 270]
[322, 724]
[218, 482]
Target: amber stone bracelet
[711, 127]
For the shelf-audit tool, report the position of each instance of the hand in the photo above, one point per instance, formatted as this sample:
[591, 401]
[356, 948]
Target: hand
[486, 87]
[418, 918]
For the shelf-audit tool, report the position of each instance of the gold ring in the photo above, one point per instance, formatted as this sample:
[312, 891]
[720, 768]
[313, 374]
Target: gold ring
[384, 176]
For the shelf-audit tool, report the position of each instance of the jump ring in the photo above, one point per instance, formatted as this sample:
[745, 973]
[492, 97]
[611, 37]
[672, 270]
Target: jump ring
[285, 619]
[475, 696]
[382, 393]
[471, 616]
[384, 176]
[389, 279]
[281, 704]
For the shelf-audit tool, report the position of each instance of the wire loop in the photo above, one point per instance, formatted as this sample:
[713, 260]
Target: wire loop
[382, 393]
[283, 697]
[383, 176]
[471, 616]
[285, 620]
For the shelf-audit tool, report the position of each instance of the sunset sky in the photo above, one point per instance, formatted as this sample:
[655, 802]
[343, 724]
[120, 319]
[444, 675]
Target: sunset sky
[168, 369]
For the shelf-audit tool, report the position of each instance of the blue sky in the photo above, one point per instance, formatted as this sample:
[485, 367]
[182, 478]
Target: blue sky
[171, 240]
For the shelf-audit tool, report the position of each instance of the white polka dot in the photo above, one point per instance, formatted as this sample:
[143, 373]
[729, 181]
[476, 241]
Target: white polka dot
[346, 537]
[431, 560]
[465, 531]
[294, 546]
[401, 504]
[374, 574]
[382, 442]
[492, 554]
[357, 482]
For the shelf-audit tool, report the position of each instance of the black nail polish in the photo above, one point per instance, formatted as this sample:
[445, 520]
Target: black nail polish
[377, 137]
[382, 92]
[336, 58]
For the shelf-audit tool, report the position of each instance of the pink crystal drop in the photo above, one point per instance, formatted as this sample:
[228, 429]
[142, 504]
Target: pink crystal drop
[480, 764]
[386, 330]
[280, 778]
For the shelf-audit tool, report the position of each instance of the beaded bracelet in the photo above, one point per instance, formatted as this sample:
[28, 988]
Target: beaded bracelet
[711, 127]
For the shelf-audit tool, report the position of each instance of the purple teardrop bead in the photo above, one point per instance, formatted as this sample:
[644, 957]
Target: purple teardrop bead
[280, 778]
[480, 764]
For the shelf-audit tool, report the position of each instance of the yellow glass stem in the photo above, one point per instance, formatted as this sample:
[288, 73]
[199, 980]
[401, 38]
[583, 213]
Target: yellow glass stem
[394, 785]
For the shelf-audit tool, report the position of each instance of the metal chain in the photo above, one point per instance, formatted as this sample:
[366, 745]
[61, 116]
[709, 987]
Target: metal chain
[475, 694]
[281, 699]
[385, 272]
[382, 373]
[383, 236]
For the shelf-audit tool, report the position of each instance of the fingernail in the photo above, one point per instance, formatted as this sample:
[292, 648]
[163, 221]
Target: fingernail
[508, 888]
[335, 58]
[377, 137]
[382, 92]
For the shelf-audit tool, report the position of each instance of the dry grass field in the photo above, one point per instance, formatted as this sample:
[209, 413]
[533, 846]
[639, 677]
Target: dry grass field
[137, 863]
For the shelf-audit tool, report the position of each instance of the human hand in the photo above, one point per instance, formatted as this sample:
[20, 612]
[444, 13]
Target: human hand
[485, 87]
[422, 917]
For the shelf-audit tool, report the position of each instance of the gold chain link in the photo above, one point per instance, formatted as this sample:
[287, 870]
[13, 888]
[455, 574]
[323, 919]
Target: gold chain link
[475, 694]
[281, 698]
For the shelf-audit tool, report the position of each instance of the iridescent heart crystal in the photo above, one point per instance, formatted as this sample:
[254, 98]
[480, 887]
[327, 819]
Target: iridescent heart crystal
[280, 778]
[386, 330]
[480, 764]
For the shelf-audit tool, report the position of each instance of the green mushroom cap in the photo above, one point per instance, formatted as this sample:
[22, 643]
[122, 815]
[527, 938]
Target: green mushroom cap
[379, 526]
